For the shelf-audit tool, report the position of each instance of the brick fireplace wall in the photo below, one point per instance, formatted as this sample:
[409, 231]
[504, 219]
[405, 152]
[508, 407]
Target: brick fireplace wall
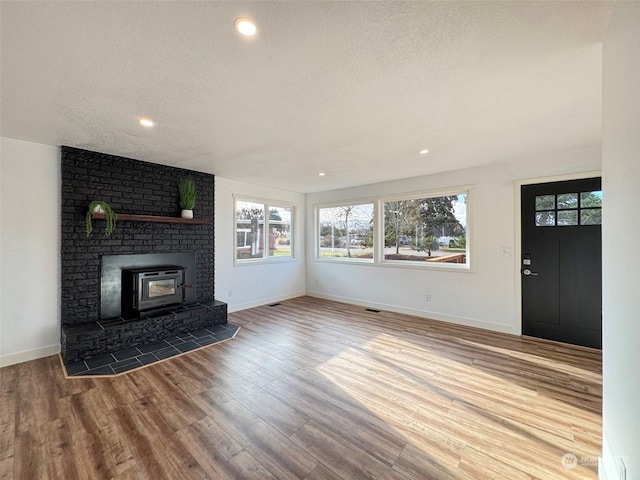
[131, 187]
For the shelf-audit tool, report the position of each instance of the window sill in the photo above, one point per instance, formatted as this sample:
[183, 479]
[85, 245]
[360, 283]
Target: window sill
[425, 266]
[264, 261]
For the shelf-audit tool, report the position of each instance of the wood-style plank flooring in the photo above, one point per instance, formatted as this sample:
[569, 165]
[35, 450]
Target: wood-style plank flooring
[316, 390]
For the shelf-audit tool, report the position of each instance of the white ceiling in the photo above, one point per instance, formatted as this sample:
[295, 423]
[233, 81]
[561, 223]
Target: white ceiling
[354, 89]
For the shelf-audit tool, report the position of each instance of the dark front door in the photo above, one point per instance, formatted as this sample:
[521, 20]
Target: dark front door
[561, 265]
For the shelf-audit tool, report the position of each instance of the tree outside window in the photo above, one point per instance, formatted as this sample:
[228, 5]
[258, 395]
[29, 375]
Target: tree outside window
[428, 229]
[420, 230]
[258, 237]
[346, 231]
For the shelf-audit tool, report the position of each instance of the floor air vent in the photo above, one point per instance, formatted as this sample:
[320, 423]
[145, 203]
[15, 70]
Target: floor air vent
[371, 310]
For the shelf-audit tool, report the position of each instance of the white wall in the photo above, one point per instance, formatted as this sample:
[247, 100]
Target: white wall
[484, 298]
[620, 242]
[254, 285]
[29, 251]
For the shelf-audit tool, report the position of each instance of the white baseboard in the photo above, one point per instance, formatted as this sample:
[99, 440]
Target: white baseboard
[28, 355]
[468, 322]
[263, 301]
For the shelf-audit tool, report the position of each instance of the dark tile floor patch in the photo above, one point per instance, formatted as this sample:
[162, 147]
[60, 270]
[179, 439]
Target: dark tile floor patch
[131, 358]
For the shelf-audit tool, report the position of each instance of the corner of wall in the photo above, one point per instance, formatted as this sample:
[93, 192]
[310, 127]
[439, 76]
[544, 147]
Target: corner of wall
[606, 463]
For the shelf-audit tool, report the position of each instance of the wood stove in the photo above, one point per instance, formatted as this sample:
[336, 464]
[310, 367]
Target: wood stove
[150, 288]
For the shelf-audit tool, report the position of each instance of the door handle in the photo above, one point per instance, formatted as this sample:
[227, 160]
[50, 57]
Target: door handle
[526, 272]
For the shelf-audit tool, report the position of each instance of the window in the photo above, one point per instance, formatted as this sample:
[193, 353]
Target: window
[569, 209]
[426, 229]
[422, 230]
[346, 231]
[263, 231]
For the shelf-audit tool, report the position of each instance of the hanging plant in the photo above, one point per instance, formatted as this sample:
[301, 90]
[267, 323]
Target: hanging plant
[99, 206]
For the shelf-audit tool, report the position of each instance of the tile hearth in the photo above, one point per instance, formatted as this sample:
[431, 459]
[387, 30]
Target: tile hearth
[126, 360]
[104, 337]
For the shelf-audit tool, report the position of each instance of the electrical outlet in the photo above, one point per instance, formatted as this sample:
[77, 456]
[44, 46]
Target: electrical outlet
[622, 468]
[427, 297]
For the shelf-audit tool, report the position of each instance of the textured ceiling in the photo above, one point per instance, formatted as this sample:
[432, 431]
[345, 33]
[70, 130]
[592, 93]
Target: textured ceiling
[354, 89]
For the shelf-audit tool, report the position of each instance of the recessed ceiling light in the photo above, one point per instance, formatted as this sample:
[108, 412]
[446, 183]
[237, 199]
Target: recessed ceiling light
[145, 122]
[424, 151]
[321, 174]
[245, 26]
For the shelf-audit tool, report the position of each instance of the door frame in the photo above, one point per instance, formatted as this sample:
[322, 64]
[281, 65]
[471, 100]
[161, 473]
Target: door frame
[517, 248]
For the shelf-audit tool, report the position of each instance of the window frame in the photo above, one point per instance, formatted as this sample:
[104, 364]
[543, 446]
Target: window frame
[557, 210]
[454, 191]
[267, 203]
[318, 256]
[378, 230]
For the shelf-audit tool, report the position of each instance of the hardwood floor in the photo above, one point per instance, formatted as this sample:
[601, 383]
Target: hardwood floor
[316, 390]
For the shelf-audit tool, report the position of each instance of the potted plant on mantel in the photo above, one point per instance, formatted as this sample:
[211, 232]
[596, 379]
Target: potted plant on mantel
[187, 188]
[100, 206]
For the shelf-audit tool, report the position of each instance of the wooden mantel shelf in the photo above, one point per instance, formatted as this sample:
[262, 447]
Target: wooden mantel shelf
[156, 219]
